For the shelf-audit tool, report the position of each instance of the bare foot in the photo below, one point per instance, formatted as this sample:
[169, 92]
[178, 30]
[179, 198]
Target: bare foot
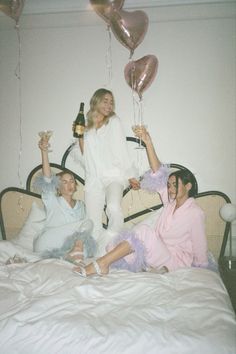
[90, 269]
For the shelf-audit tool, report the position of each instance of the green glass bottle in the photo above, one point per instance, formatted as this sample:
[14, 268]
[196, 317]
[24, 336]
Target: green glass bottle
[79, 123]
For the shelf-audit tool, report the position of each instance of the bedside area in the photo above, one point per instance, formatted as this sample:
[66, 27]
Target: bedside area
[227, 268]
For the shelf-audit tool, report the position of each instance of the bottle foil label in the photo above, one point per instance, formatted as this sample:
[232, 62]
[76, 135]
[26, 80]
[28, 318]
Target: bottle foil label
[79, 129]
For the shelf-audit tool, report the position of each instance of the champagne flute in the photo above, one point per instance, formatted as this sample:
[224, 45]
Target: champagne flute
[46, 135]
[134, 128]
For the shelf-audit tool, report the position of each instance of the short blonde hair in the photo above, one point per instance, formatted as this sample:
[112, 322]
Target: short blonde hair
[65, 172]
[60, 176]
[94, 102]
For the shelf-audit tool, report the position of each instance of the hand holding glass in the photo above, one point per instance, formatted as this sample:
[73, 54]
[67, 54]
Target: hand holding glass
[139, 131]
[45, 135]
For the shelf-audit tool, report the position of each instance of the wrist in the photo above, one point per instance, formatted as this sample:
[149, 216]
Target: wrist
[44, 152]
[148, 143]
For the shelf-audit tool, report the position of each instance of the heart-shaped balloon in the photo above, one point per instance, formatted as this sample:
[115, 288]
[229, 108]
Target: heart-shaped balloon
[139, 74]
[129, 27]
[105, 8]
[12, 8]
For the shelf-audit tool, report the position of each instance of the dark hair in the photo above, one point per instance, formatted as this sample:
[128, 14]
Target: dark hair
[186, 177]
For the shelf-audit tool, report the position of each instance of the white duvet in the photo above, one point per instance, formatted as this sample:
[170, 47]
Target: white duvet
[46, 308]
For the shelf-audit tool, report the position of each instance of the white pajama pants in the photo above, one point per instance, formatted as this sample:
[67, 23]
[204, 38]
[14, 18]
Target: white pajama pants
[95, 199]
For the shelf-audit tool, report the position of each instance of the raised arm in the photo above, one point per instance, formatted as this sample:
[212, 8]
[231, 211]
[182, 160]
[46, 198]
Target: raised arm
[154, 162]
[43, 145]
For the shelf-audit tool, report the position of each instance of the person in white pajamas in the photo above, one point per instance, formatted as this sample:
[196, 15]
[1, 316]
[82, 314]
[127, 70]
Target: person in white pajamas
[108, 167]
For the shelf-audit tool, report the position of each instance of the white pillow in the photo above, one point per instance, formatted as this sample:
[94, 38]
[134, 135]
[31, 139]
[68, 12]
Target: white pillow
[34, 224]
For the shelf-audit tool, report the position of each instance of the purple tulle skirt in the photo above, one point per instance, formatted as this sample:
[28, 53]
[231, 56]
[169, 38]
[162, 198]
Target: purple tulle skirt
[138, 248]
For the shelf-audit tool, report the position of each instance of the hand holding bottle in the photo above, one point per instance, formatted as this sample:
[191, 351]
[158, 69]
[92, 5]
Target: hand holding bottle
[79, 124]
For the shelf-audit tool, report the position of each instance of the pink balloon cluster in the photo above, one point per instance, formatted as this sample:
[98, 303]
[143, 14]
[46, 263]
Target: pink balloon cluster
[12, 8]
[129, 29]
[140, 74]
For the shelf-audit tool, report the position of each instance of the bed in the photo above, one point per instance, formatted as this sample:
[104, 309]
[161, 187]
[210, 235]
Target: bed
[46, 308]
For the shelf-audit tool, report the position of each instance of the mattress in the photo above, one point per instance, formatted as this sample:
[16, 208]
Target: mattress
[46, 308]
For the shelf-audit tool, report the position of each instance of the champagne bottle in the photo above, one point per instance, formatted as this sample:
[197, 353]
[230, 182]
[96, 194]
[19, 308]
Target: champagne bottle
[79, 123]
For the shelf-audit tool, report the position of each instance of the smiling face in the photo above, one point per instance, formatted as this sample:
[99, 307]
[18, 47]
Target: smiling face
[105, 106]
[102, 106]
[103, 109]
[67, 185]
[182, 189]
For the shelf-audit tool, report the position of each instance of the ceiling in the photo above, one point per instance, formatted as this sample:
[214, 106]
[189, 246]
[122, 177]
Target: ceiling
[62, 6]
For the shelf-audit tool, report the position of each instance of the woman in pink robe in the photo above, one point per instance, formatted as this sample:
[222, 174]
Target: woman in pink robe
[177, 241]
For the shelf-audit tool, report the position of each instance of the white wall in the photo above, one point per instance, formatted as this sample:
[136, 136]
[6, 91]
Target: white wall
[189, 109]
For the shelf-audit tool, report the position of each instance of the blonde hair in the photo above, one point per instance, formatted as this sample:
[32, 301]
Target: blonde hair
[60, 176]
[94, 102]
[65, 172]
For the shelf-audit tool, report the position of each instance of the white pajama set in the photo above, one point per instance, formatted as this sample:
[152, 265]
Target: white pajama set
[107, 170]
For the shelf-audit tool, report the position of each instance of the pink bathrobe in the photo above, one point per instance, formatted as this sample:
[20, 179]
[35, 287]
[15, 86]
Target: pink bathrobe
[177, 241]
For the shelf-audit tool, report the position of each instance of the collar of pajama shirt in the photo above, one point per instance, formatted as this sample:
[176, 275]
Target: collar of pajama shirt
[59, 212]
[174, 224]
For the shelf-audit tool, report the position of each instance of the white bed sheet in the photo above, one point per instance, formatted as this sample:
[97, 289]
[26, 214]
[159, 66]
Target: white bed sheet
[45, 308]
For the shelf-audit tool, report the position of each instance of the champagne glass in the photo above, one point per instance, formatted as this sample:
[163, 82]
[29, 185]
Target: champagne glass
[134, 128]
[46, 135]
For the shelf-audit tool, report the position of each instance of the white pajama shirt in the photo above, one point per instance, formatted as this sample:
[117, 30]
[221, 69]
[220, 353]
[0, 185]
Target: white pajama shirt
[108, 168]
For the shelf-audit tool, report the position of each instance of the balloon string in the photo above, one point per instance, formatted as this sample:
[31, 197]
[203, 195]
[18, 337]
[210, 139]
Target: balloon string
[18, 76]
[138, 120]
[140, 112]
[137, 112]
[109, 58]
[134, 99]
[134, 108]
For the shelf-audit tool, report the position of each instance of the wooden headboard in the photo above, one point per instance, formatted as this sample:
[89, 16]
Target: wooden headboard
[15, 204]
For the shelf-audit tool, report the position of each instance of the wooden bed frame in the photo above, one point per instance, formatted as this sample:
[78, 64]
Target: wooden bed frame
[15, 204]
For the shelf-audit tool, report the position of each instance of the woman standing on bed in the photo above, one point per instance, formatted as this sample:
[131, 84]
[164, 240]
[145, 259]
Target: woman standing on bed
[67, 232]
[108, 169]
[178, 239]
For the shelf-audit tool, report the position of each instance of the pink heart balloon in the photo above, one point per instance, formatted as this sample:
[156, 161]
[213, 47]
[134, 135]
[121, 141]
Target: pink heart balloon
[129, 27]
[105, 8]
[12, 8]
[139, 74]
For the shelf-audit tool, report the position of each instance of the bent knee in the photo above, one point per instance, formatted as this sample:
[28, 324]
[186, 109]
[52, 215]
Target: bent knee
[114, 209]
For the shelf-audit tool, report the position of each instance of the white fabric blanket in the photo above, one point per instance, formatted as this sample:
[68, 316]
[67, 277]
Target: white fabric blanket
[46, 308]
[9, 249]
